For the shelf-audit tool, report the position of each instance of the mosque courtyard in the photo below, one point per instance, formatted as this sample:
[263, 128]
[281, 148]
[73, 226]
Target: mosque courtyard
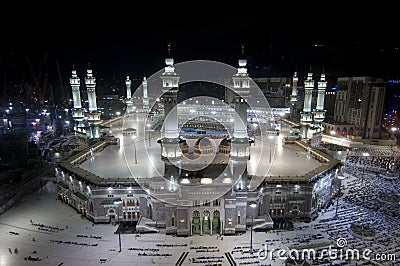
[45, 231]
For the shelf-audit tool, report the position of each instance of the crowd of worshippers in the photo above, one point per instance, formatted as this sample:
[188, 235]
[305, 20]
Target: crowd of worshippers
[74, 243]
[47, 228]
[372, 163]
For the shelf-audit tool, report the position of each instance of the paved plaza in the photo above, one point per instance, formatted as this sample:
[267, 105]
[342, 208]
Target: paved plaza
[123, 158]
[50, 231]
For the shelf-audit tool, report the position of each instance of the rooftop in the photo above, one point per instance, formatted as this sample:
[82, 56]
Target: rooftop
[119, 162]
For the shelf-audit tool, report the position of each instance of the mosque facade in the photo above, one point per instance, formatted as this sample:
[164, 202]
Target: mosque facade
[161, 202]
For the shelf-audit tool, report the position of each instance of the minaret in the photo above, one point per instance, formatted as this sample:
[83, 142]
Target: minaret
[93, 115]
[306, 115]
[128, 101]
[293, 97]
[77, 111]
[319, 112]
[128, 89]
[241, 87]
[170, 139]
[145, 97]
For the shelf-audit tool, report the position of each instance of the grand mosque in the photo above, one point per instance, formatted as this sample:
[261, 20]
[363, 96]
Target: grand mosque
[199, 166]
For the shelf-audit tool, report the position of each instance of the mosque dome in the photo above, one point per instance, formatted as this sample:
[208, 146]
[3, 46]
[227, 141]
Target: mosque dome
[224, 146]
[203, 146]
[184, 146]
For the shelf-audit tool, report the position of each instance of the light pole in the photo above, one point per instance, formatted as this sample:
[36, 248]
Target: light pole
[119, 120]
[67, 123]
[148, 128]
[252, 205]
[255, 125]
[340, 177]
[270, 147]
[365, 154]
[37, 123]
[134, 145]
[393, 134]
[34, 127]
[118, 203]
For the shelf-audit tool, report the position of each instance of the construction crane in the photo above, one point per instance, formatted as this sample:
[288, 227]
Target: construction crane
[40, 92]
[5, 85]
[5, 89]
[64, 94]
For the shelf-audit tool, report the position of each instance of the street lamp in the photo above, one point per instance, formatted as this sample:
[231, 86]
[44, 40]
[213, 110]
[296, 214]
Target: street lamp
[340, 177]
[270, 148]
[67, 123]
[365, 154]
[134, 145]
[34, 127]
[252, 205]
[118, 203]
[148, 127]
[394, 138]
[255, 125]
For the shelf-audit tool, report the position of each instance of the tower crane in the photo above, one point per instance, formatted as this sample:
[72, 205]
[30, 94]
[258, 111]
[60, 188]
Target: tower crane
[40, 89]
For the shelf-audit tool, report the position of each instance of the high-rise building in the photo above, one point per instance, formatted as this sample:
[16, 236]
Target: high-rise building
[330, 98]
[276, 90]
[358, 107]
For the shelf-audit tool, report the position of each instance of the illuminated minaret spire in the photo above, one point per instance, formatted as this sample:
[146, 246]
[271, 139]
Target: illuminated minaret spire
[321, 93]
[293, 96]
[145, 97]
[144, 83]
[241, 88]
[294, 90]
[128, 101]
[170, 86]
[93, 115]
[308, 87]
[77, 111]
[319, 112]
[306, 115]
[76, 95]
[170, 141]
[128, 88]
[90, 82]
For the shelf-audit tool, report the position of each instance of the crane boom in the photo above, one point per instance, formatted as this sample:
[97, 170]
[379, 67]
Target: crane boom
[35, 79]
[63, 94]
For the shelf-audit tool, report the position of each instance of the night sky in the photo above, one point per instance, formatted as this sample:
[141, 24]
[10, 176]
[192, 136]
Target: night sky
[279, 37]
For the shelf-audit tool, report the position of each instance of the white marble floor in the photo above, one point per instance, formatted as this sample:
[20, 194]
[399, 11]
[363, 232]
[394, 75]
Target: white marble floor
[140, 157]
[16, 231]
